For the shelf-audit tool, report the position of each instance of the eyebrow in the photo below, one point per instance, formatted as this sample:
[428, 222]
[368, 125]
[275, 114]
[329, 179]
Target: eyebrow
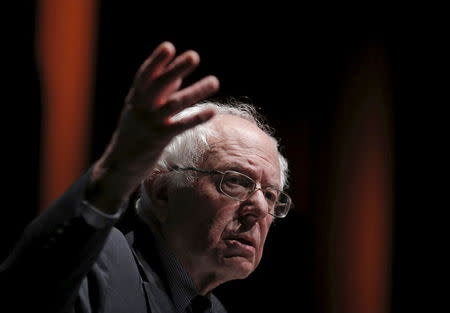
[236, 166]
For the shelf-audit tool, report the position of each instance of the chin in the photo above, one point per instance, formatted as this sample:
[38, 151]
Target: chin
[238, 267]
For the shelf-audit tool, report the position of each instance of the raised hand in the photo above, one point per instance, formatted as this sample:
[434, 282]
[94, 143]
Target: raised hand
[145, 126]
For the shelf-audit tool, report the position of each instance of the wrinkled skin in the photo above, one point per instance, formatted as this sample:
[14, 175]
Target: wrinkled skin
[218, 238]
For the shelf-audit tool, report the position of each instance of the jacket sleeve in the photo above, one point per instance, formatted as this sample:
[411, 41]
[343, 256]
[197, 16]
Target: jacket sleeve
[57, 249]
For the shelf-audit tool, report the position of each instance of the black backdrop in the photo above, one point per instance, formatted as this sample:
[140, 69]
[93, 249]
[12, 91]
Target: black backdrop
[289, 62]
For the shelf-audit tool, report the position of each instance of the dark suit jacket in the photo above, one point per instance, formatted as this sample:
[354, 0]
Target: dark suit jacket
[62, 264]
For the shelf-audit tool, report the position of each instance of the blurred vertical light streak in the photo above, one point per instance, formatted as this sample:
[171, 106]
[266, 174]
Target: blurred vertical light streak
[65, 49]
[358, 230]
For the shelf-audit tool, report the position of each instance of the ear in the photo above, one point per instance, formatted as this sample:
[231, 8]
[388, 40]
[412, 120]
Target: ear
[157, 190]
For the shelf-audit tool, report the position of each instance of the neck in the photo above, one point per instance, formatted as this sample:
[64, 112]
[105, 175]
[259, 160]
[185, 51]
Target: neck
[203, 275]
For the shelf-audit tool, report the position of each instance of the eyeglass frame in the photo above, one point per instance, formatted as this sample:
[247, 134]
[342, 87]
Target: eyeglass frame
[255, 188]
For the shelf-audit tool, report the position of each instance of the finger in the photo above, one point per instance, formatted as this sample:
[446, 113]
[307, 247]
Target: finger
[187, 56]
[191, 121]
[159, 100]
[155, 64]
[190, 95]
[162, 87]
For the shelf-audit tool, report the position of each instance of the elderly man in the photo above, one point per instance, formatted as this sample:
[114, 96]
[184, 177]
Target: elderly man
[211, 182]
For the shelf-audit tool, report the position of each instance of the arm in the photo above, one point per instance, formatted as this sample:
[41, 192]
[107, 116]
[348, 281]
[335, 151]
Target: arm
[59, 247]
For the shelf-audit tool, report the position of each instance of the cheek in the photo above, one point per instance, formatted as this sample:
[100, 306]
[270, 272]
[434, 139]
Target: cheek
[211, 214]
[216, 220]
[216, 208]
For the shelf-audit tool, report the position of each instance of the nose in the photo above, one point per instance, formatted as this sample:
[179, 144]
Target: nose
[256, 206]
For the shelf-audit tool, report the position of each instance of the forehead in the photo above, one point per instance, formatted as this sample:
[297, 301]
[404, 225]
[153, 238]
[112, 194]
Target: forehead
[242, 145]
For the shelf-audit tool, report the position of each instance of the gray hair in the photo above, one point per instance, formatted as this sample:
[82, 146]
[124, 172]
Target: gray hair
[189, 148]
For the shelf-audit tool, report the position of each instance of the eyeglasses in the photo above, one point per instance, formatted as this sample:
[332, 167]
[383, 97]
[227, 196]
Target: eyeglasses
[240, 187]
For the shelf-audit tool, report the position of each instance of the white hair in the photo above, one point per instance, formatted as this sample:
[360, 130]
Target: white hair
[190, 147]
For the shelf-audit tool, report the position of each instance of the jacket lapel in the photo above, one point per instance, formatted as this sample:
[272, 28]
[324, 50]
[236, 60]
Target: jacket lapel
[144, 250]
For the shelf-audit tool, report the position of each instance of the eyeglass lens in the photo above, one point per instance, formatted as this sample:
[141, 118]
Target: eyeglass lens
[240, 187]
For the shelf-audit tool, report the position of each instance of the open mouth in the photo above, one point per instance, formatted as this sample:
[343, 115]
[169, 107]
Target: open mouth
[242, 240]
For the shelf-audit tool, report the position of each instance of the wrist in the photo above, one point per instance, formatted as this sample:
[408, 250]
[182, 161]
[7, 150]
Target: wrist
[106, 190]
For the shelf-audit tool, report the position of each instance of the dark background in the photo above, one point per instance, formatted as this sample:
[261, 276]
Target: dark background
[290, 62]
